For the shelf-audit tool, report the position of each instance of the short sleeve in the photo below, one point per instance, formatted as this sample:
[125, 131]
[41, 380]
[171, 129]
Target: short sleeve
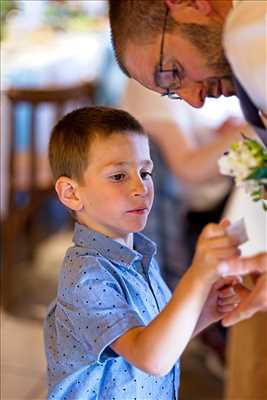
[102, 313]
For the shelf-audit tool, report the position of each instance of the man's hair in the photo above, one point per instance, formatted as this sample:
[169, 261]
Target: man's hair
[140, 21]
[73, 135]
[136, 21]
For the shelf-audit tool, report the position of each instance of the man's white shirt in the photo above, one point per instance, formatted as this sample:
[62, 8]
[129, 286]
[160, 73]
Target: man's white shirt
[245, 44]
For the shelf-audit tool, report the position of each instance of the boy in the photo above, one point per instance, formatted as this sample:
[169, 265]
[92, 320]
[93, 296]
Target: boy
[114, 331]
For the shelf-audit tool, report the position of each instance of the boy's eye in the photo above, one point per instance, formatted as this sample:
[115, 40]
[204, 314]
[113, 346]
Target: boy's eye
[118, 177]
[146, 174]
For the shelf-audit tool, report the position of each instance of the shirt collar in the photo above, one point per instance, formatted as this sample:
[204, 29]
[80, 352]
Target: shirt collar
[144, 248]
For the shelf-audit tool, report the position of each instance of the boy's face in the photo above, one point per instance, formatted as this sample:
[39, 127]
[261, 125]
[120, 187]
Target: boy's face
[117, 191]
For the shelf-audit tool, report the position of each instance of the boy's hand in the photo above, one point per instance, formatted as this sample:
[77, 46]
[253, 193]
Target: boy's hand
[224, 297]
[252, 302]
[214, 245]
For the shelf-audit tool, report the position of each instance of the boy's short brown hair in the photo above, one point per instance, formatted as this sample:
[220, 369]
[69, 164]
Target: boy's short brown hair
[72, 136]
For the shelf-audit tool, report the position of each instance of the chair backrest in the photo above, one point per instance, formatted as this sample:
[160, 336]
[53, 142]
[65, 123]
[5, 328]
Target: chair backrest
[59, 97]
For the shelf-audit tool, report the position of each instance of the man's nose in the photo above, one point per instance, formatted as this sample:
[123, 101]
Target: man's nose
[193, 93]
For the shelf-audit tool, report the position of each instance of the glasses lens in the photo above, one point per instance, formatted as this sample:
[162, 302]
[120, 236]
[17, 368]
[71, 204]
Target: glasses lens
[166, 80]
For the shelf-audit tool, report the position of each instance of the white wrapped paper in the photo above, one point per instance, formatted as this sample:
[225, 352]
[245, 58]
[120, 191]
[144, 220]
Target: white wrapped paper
[237, 230]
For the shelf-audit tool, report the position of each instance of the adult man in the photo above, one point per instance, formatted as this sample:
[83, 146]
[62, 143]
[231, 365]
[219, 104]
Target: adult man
[174, 47]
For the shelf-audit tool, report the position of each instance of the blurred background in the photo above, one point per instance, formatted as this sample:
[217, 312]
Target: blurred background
[56, 56]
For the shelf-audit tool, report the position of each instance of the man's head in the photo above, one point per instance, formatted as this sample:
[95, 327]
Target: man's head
[101, 164]
[173, 46]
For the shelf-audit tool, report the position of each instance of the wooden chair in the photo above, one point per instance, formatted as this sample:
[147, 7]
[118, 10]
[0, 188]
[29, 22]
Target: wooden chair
[19, 230]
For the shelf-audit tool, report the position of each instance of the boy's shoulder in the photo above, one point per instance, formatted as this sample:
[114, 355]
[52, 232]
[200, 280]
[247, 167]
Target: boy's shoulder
[83, 269]
[99, 245]
[96, 255]
[81, 261]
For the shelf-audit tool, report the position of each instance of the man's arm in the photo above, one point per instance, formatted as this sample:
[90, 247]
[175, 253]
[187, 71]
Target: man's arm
[201, 162]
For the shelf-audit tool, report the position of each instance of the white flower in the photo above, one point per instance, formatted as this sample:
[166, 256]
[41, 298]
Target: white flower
[251, 186]
[243, 159]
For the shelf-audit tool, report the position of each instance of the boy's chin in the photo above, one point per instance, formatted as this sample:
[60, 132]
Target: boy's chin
[138, 228]
[136, 225]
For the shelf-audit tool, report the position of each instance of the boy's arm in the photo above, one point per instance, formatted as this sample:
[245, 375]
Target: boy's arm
[156, 347]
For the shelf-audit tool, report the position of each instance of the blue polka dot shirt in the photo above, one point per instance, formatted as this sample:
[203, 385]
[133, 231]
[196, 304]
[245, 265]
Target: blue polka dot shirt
[104, 290]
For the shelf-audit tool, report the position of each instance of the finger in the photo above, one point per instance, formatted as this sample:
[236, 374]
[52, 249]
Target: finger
[234, 299]
[244, 266]
[242, 291]
[226, 309]
[224, 254]
[222, 241]
[212, 230]
[225, 222]
[227, 292]
[238, 315]
[245, 310]
[227, 281]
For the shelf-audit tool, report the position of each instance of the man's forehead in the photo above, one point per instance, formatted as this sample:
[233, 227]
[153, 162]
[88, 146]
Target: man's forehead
[141, 62]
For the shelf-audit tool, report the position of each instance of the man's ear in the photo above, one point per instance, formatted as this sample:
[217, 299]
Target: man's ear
[177, 7]
[67, 190]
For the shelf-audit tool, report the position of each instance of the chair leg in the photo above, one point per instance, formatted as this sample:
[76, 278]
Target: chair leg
[8, 281]
[14, 252]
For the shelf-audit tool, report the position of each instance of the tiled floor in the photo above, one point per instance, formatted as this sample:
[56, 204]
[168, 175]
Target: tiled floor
[22, 360]
[23, 364]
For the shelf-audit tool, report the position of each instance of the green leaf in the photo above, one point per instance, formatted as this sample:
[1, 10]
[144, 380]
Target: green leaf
[259, 173]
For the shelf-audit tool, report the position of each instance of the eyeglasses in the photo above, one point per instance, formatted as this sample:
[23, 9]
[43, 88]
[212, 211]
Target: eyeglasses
[168, 79]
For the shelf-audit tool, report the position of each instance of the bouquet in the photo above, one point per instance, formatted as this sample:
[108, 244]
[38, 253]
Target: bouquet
[246, 161]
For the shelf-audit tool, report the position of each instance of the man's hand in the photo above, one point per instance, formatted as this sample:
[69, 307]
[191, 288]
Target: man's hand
[233, 126]
[257, 299]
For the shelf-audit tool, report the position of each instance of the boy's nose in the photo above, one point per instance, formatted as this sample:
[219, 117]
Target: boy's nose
[139, 188]
[194, 94]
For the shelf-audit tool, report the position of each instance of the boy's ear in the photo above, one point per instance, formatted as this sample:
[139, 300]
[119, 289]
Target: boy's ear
[179, 7]
[67, 191]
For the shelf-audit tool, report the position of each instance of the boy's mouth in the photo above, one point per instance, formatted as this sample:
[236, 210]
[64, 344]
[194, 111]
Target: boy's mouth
[138, 211]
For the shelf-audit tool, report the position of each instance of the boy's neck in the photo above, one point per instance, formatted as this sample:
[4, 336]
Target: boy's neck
[126, 242]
